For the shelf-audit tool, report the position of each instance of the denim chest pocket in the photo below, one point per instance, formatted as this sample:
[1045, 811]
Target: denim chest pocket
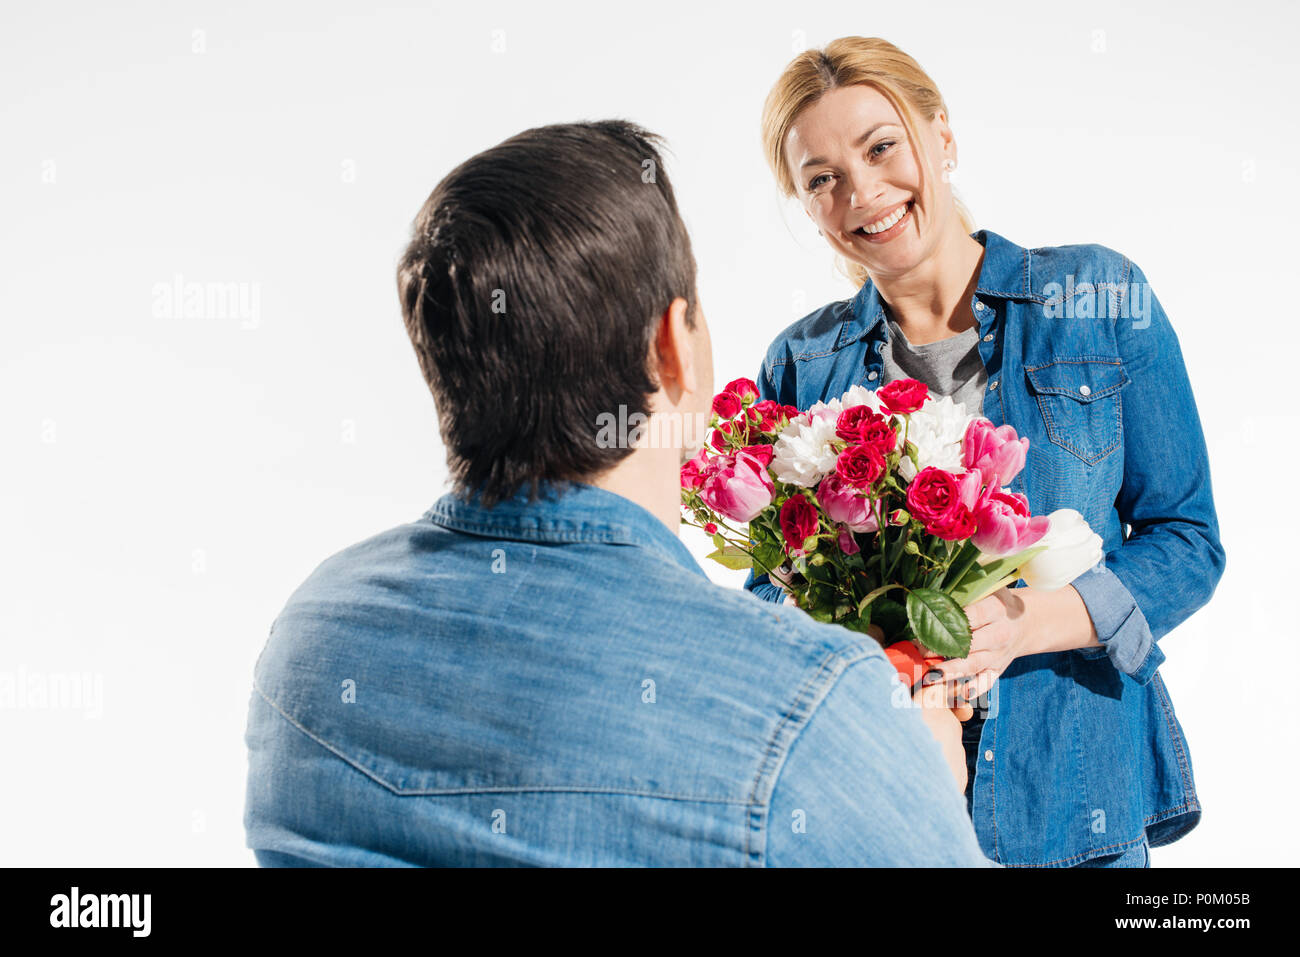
[1079, 399]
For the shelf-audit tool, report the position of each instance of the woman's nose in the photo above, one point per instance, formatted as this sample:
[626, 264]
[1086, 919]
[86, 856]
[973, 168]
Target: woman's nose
[865, 188]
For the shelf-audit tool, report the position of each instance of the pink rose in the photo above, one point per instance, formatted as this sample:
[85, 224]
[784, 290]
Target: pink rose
[739, 487]
[760, 453]
[1006, 525]
[844, 506]
[696, 470]
[995, 451]
[903, 395]
[799, 520]
[847, 545]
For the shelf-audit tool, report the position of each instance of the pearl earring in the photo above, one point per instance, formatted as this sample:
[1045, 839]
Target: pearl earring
[948, 166]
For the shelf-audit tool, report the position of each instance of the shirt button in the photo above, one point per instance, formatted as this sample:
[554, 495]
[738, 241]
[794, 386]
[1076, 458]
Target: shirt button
[989, 337]
[988, 755]
[993, 386]
[1085, 390]
[872, 374]
[979, 305]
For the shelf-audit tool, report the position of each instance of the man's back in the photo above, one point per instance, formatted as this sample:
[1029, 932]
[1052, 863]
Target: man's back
[560, 684]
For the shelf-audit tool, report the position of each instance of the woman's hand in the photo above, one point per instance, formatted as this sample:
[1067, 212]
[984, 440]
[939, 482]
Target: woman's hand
[1013, 622]
[1002, 629]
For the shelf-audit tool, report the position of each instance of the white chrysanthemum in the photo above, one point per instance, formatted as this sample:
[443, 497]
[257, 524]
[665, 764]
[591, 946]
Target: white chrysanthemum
[936, 429]
[803, 454]
[860, 395]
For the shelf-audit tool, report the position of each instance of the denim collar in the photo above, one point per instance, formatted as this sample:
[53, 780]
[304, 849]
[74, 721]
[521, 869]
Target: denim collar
[1004, 274]
[564, 512]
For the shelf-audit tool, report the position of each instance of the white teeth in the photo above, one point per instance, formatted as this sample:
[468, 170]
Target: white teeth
[888, 221]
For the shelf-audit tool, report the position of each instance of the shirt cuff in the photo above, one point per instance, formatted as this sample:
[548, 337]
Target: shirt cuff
[1121, 627]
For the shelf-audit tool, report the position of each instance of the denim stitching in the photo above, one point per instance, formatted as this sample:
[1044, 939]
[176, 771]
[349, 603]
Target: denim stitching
[771, 765]
[402, 791]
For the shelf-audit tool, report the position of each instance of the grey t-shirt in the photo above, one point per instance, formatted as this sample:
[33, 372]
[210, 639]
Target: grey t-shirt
[950, 366]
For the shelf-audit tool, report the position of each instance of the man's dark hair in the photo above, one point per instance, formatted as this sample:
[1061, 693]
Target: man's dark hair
[532, 287]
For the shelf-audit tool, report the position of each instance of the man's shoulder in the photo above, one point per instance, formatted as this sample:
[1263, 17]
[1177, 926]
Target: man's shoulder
[591, 654]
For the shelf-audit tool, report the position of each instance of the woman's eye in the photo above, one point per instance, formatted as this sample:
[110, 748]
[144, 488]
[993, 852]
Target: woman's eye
[818, 181]
[881, 146]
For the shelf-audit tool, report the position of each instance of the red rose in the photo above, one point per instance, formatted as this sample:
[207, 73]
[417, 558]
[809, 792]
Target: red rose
[879, 435]
[957, 525]
[742, 389]
[768, 415]
[935, 499]
[859, 465]
[903, 395]
[726, 405]
[852, 421]
[719, 437]
[932, 494]
[799, 520]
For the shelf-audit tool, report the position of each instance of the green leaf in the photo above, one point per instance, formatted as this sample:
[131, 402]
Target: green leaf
[938, 622]
[872, 596]
[891, 616]
[859, 624]
[731, 557]
[991, 572]
[718, 540]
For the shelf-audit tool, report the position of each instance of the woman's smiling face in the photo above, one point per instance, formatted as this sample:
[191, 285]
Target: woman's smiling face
[857, 176]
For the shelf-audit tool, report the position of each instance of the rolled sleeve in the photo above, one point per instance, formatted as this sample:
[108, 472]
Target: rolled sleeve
[1121, 627]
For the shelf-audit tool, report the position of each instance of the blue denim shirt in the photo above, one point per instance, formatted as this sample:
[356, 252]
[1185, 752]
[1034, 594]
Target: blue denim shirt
[559, 683]
[1082, 753]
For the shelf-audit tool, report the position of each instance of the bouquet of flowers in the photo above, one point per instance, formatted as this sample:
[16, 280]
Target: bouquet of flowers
[882, 508]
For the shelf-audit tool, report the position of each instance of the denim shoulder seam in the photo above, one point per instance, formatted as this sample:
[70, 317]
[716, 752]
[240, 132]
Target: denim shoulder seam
[812, 693]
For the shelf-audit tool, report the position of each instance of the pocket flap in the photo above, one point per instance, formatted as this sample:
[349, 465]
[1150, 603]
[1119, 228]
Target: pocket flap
[1084, 379]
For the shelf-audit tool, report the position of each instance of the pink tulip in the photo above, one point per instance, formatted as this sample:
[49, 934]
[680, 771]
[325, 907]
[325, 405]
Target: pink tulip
[739, 488]
[844, 507]
[1006, 526]
[995, 451]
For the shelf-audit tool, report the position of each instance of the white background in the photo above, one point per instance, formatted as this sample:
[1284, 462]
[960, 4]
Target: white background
[167, 481]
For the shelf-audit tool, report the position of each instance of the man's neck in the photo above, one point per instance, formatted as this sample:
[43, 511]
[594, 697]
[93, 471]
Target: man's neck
[651, 477]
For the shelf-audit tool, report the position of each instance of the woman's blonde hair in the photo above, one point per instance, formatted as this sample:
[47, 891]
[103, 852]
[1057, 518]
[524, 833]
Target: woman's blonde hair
[852, 61]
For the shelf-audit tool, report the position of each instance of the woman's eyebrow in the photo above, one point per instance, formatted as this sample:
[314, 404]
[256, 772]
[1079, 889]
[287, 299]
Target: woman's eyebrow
[817, 160]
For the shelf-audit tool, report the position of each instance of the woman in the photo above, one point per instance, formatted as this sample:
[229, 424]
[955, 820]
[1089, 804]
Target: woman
[1081, 760]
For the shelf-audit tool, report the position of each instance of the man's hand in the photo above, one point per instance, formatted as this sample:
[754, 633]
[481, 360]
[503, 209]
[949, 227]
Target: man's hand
[943, 716]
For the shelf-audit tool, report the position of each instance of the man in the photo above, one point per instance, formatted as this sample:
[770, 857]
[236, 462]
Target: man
[537, 671]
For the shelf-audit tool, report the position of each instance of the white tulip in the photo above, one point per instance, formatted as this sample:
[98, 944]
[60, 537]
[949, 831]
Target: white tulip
[1072, 548]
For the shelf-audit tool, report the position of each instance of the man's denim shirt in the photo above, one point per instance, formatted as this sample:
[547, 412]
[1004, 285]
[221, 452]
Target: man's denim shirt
[559, 683]
[1082, 752]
